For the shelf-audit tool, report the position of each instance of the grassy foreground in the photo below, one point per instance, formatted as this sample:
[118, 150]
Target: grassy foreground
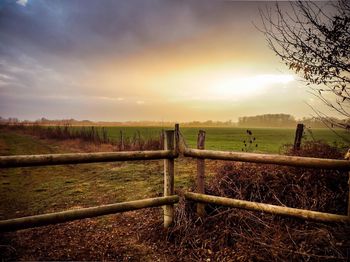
[37, 190]
[34, 190]
[131, 236]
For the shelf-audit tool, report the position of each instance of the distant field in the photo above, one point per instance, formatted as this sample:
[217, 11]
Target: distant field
[269, 140]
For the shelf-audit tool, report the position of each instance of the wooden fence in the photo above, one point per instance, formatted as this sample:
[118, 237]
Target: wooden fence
[174, 144]
[307, 162]
[168, 200]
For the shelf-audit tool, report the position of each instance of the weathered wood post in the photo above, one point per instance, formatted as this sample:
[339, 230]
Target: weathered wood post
[349, 194]
[298, 136]
[347, 157]
[168, 178]
[201, 173]
[161, 138]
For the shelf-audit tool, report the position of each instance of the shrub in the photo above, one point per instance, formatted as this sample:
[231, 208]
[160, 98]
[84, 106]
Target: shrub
[233, 234]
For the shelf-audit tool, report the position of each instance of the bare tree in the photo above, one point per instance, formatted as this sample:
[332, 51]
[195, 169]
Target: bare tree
[313, 40]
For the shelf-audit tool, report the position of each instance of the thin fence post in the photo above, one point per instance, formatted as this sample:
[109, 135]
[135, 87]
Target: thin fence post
[201, 173]
[177, 138]
[121, 141]
[161, 138]
[298, 136]
[168, 178]
[347, 157]
[139, 139]
[349, 194]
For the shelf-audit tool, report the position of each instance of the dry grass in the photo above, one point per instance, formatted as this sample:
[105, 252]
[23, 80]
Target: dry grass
[93, 135]
[237, 235]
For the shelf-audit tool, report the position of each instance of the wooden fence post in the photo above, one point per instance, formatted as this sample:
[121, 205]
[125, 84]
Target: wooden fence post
[201, 173]
[347, 157]
[168, 178]
[177, 138]
[121, 143]
[298, 136]
[349, 194]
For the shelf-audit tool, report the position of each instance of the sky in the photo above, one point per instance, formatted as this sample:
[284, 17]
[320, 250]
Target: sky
[135, 60]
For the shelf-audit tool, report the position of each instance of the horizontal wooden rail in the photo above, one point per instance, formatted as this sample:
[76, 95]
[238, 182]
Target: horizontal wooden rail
[77, 158]
[295, 161]
[70, 215]
[272, 209]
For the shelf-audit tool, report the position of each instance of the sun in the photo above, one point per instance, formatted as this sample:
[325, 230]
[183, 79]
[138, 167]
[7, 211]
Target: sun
[233, 86]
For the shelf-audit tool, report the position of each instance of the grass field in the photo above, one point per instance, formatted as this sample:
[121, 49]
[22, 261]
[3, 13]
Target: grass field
[53, 188]
[269, 140]
[38, 190]
[35, 190]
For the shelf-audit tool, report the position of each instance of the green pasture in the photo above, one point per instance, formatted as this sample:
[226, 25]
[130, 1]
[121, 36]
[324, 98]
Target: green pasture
[269, 140]
[35, 190]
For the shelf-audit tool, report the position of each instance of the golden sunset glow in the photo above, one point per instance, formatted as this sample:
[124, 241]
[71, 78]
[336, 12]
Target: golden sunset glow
[176, 61]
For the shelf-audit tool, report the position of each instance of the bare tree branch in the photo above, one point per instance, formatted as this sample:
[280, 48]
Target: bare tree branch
[313, 40]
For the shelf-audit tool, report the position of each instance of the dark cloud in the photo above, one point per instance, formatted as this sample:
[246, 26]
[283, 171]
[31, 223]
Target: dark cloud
[60, 32]
[87, 28]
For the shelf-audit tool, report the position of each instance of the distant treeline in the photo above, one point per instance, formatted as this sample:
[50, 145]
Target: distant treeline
[284, 120]
[72, 122]
[266, 120]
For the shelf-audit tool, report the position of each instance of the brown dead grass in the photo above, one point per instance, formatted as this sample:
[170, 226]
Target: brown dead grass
[237, 235]
[78, 145]
[114, 237]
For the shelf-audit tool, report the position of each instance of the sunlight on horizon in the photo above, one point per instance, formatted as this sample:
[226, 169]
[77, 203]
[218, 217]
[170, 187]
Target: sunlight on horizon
[216, 85]
[248, 86]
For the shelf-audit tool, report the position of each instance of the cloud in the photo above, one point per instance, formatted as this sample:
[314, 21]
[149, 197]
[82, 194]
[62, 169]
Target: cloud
[96, 58]
[22, 2]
